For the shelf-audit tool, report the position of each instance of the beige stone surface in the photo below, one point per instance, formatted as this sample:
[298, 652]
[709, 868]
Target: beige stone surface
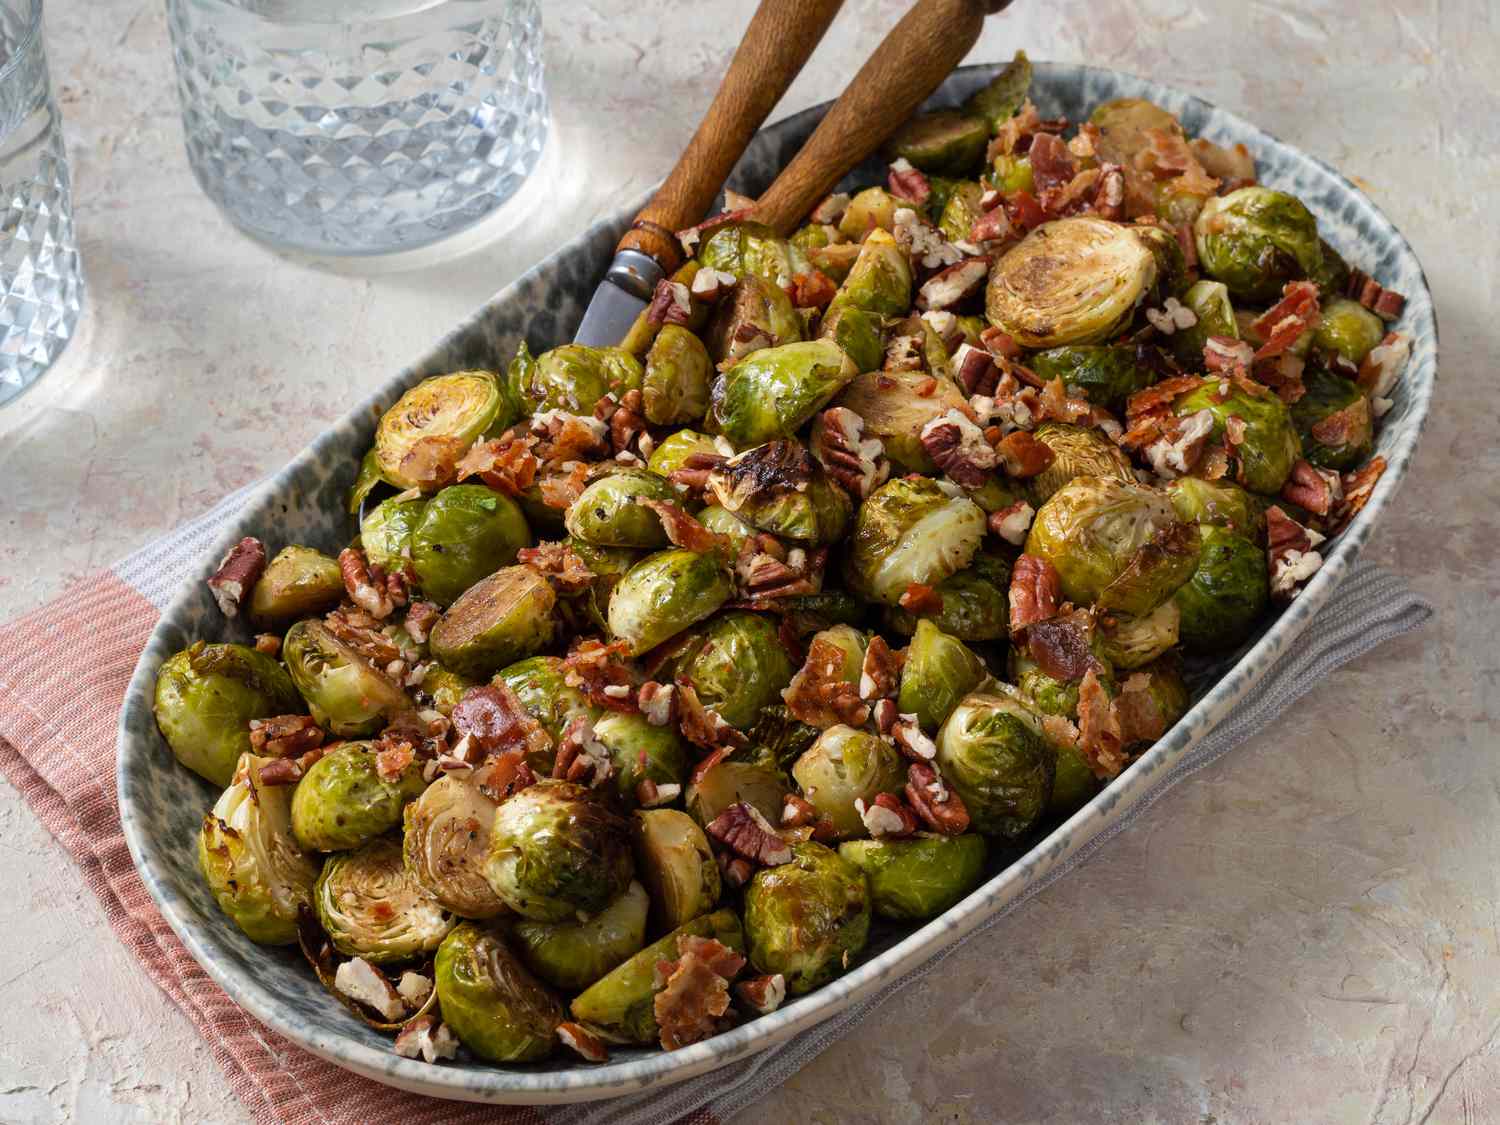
[1306, 932]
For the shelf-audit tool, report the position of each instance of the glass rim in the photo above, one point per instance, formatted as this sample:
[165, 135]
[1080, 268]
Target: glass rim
[27, 41]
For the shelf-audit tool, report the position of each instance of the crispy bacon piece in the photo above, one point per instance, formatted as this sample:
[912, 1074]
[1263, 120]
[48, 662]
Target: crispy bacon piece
[1099, 729]
[1285, 322]
[1052, 164]
[493, 719]
[993, 225]
[236, 574]
[1139, 715]
[1023, 210]
[268, 643]
[1340, 427]
[812, 290]
[391, 761]
[1225, 354]
[694, 997]
[742, 828]
[1035, 589]
[1000, 343]
[1022, 456]
[601, 672]
[919, 598]
[504, 775]
[559, 564]
[1060, 645]
[819, 695]
[582, 1042]
[703, 726]
[939, 807]
[506, 464]
[683, 530]
[1358, 487]
[285, 736]
[1161, 395]
[908, 183]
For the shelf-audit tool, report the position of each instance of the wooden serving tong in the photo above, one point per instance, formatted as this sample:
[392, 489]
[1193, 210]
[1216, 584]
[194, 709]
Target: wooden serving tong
[903, 72]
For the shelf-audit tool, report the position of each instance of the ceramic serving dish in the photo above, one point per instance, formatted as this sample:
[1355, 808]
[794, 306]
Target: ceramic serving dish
[162, 804]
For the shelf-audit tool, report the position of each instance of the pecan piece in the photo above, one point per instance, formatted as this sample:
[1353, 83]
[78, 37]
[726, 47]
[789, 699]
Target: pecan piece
[880, 673]
[920, 598]
[703, 726]
[360, 584]
[1023, 456]
[1290, 552]
[671, 303]
[1012, 522]
[285, 736]
[1312, 488]
[886, 816]
[940, 808]
[958, 447]
[236, 574]
[742, 828]
[1035, 589]
[856, 462]
[957, 283]
[424, 1036]
[763, 994]
[976, 370]
[582, 1042]
[912, 741]
[907, 182]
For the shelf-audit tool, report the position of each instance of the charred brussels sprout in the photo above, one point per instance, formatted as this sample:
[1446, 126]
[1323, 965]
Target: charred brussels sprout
[870, 210]
[640, 752]
[919, 878]
[961, 211]
[495, 622]
[674, 861]
[371, 907]
[622, 1003]
[753, 249]
[445, 412]
[574, 377]
[947, 142]
[845, 765]
[572, 955]
[1255, 240]
[1269, 447]
[678, 372]
[895, 410]
[1078, 451]
[664, 594]
[672, 453]
[1114, 544]
[385, 532]
[466, 533]
[757, 314]
[778, 488]
[737, 665]
[1208, 301]
[610, 512]
[771, 392]
[807, 918]
[447, 831]
[251, 860]
[1334, 422]
[297, 582]
[1072, 281]
[346, 695]
[1227, 594]
[1130, 642]
[939, 671]
[976, 603]
[992, 752]
[540, 685]
[911, 531]
[206, 696]
[1105, 374]
[715, 785]
[496, 1008]
[879, 282]
[1348, 329]
[1005, 94]
[556, 851]
[857, 332]
[1217, 503]
[342, 800]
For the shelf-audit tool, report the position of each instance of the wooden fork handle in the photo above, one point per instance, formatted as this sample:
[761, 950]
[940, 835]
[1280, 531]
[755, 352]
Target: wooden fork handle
[781, 36]
[905, 69]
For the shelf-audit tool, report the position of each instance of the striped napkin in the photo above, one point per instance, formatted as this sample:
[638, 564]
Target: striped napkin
[63, 674]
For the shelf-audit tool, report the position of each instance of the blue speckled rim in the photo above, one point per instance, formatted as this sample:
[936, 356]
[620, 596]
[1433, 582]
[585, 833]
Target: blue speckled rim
[1350, 221]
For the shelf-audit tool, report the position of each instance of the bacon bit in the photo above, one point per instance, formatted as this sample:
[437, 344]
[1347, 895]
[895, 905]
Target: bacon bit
[908, 183]
[359, 583]
[819, 695]
[689, 1008]
[812, 290]
[1023, 210]
[1035, 588]
[886, 816]
[742, 828]
[1013, 522]
[582, 1042]
[268, 643]
[494, 719]
[1018, 132]
[559, 564]
[1282, 325]
[1060, 645]
[911, 740]
[564, 438]
[958, 447]
[671, 303]
[1292, 558]
[1052, 164]
[285, 736]
[504, 775]
[764, 994]
[1340, 427]
[690, 236]
[1358, 487]
[1384, 303]
[1099, 729]
[236, 574]
[940, 808]
[919, 598]
[657, 703]
[507, 465]
[1312, 488]
[281, 771]
[592, 666]
[1139, 715]
[880, 673]
[560, 489]
[392, 762]
[432, 461]
[1161, 395]
[684, 531]
[957, 283]
[1023, 456]
[703, 726]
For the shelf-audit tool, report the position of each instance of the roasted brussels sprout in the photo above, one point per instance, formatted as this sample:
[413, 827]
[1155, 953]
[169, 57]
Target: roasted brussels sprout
[442, 688]
[857, 332]
[845, 765]
[674, 388]
[346, 695]
[895, 410]
[1209, 303]
[610, 513]
[939, 671]
[342, 800]
[1334, 422]
[961, 210]
[672, 453]
[466, 533]
[722, 521]
[1269, 447]
[1105, 374]
[251, 860]
[947, 142]
[771, 392]
[1167, 690]
[1130, 642]
[297, 582]
[574, 954]
[573, 377]
[664, 594]
[385, 532]
[1348, 329]
[446, 838]
[371, 907]
[715, 785]
[975, 603]
[495, 622]
[807, 918]
[910, 531]
[1217, 503]
[1255, 240]
[674, 861]
[778, 488]
[870, 210]
[737, 664]
[814, 236]
[541, 687]
[1011, 173]
[622, 1003]
[1226, 596]
[1114, 544]
[753, 249]
[1332, 274]
[1006, 93]
[1045, 693]
[879, 282]
[757, 314]
[446, 413]
[1077, 452]
[556, 851]
[1171, 261]
[206, 696]
[992, 752]
[496, 1008]
[640, 752]
[1071, 281]
[918, 878]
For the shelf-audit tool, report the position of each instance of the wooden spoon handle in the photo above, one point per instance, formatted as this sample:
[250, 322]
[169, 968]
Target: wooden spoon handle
[905, 69]
[781, 36]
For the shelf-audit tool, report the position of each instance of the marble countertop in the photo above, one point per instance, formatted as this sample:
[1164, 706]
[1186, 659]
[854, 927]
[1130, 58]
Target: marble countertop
[1306, 931]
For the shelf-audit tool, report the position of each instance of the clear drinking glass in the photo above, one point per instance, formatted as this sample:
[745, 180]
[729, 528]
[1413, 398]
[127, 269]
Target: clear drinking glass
[359, 126]
[42, 293]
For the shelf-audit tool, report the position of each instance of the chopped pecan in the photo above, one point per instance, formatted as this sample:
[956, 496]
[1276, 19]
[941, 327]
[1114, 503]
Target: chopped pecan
[1358, 487]
[363, 633]
[819, 695]
[856, 462]
[975, 369]
[281, 771]
[1138, 713]
[992, 226]
[426, 1038]
[1290, 553]
[236, 574]
[683, 530]
[703, 726]
[1317, 490]
[1181, 444]
[832, 208]
[880, 674]
[582, 1042]
[671, 303]
[627, 423]
[886, 816]
[1035, 588]
[581, 757]
[764, 576]
[601, 671]
[1379, 370]
[359, 582]
[494, 719]
[1012, 522]
[737, 871]
[958, 447]
[1173, 315]
[908, 183]
[285, 736]
[657, 703]
[903, 352]
[955, 284]
[763, 994]
[420, 618]
[650, 795]
[940, 808]
[506, 464]
[1023, 456]
[1099, 729]
[1225, 354]
[742, 828]
[885, 714]
[797, 812]
[919, 598]
[911, 740]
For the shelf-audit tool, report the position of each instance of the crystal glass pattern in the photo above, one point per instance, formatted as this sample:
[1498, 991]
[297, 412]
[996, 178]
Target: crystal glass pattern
[359, 126]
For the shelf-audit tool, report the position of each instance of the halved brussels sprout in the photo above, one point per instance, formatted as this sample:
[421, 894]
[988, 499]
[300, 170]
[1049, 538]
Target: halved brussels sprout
[1255, 240]
[672, 453]
[442, 688]
[346, 695]
[961, 210]
[556, 851]
[610, 513]
[674, 388]
[1227, 594]
[918, 878]
[945, 142]
[1217, 503]
[446, 838]
[1130, 642]
[252, 863]
[845, 765]
[1269, 447]
[385, 532]
[814, 236]
[496, 1008]
[992, 752]
[572, 955]
[641, 751]
[466, 533]
[749, 248]
[879, 282]
[1006, 93]
[371, 907]
[722, 521]
[455, 410]
[1209, 302]
[1011, 173]
[664, 594]
[807, 918]
[297, 582]
[910, 531]
[574, 377]
[1078, 451]
[778, 488]
[757, 314]
[674, 861]
[896, 412]
[1334, 422]
[1348, 329]
[206, 696]
[939, 671]
[771, 392]
[541, 688]
[1075, 784]
[495, 622]
[1171, 261]
[342, 801]
[1105, 374]
[870, 210]
[976, 603]
[857, 332]
[1071, 281]
[622, 1003]
[737, 665]
[1115, 544]
[714, 786]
